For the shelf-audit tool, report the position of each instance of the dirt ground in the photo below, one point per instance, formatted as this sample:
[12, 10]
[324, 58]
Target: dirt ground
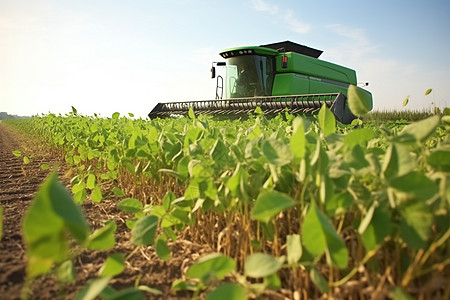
[19, 183]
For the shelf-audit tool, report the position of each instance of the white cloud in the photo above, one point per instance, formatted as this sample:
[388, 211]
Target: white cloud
[286, 15]
[264, 6]
[354, 44]
[295, 24]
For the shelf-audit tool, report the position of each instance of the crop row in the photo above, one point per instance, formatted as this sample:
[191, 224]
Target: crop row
[283, 200]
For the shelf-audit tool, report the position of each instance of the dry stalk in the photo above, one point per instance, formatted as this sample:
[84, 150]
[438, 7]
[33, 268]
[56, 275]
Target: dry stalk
[410, 271]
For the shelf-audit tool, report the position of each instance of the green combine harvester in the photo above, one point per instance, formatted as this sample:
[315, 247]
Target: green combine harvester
[274, 77]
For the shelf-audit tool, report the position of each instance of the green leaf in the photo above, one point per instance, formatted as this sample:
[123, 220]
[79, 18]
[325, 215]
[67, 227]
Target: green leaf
[103, 238]
[293, 248]
[144, 231]
[416, 223]
[78, 187]
[319, 235]
[17, 153]
[93, 289]
[276, 152]
[56, 200]
[269, 204]
[130, 205]
[51, 214]
[378, 228]
[76, 159]
[419, 131]
[169, 197]
[405, 102]
[367, 218]
[339, 203]
[258, 111]
[118, 192]
[272, 282]
[114, 265]
[162, 250]
[416, 184]
[298, 139]
[359, 101]
[211, 266]
[26, 160]
[191, 113]
[327, 120]
[318, 280]
[193, 190]
[359, 136]
[45, 167]
[219, 154]
[227, 291]
[80, 196]
[183, 167]
[397, 161]
[66, 272]
[427, 92]
[90, 183]
[259, 265]
[96, 195]
[115, 116]
[235, 182]
[74, 111]
[440, 160]
[255, 131]
[183, 285]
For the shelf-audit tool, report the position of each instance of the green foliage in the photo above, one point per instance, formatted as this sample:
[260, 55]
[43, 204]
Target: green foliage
[144, 231]
[359, 102]
[50, 219]
[93, 289]
[51, 215]
[130, 205]
[259, 265]
[319, 236]
[270, 203]
[162, 249]
[327, 121]
[298, 185]
[211, 267]
[318, 280]
[293, 248]
[114, 265]
[405, 102]
[227, 291]
[103, 238]
[66, 272]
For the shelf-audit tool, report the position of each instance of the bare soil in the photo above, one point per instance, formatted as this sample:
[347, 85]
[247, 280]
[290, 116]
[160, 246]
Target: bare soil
[19, 183]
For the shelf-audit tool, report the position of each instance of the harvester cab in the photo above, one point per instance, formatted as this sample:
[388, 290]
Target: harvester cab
[274, 77]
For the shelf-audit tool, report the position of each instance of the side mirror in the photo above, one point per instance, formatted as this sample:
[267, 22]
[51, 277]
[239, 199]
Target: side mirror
[213, 69]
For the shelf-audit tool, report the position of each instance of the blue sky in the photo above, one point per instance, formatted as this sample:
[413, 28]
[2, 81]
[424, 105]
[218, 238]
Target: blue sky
[126, 56]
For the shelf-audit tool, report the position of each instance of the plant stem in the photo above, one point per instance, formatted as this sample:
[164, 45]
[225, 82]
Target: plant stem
[347, 277]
